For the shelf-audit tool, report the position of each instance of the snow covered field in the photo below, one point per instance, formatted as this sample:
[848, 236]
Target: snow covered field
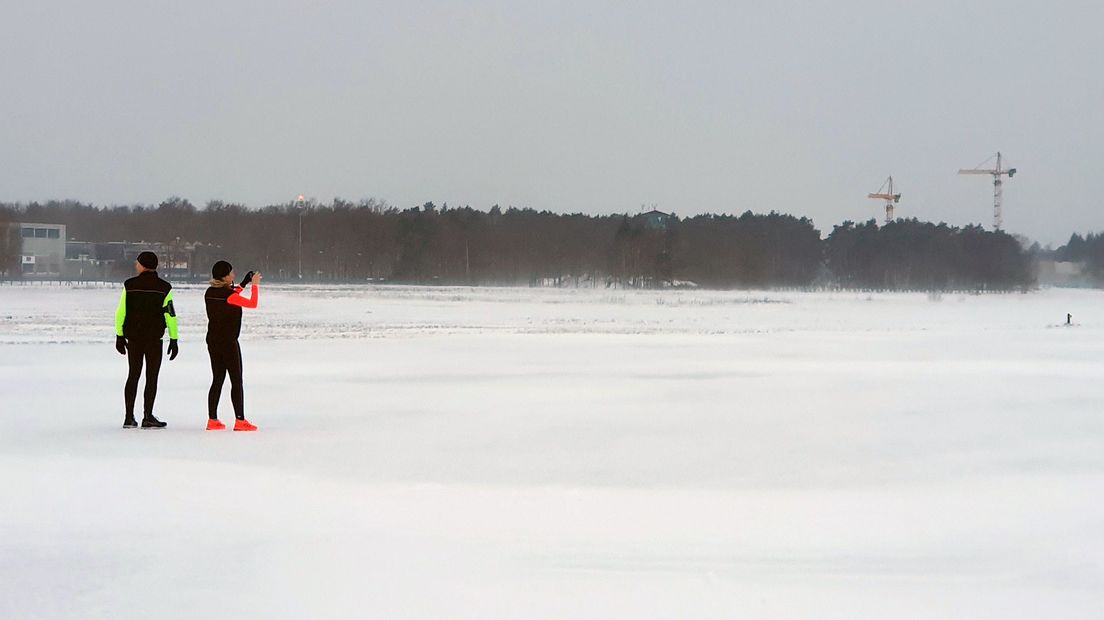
[474, 453]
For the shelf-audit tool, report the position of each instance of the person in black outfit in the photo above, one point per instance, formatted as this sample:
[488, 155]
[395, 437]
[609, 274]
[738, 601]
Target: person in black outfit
[145, 310]
[224, 314]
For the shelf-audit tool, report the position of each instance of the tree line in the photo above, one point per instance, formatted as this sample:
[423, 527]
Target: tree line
[370, 240]
[914, 255]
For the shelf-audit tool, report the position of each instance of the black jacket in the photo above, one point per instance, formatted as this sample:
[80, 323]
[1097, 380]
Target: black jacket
[146, 308]
[223, 318]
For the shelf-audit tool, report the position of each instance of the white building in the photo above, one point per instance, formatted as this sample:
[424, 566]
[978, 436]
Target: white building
[42, 252]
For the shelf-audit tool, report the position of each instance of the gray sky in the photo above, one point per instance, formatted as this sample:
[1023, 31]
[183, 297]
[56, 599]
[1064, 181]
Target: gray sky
[801, 107]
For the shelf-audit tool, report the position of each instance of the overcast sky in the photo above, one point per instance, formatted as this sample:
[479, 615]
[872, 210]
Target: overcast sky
[599, 107]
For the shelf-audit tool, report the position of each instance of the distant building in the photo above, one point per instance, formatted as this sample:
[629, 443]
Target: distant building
[1064, 274]
[42, 249]
[85, 260]
[45, 253]
[92, 261]
[656, 219]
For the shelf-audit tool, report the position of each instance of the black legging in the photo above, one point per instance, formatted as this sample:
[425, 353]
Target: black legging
[139, 351]
[225, 358]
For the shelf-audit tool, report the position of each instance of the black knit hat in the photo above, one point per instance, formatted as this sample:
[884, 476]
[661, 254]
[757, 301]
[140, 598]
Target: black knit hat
[148, 260]
[221, 270]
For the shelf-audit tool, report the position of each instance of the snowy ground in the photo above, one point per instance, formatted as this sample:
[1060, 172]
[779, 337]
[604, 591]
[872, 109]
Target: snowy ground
[562, 454]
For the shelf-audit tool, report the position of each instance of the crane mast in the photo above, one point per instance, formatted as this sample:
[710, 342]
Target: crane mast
[998, 186]
[888, 196]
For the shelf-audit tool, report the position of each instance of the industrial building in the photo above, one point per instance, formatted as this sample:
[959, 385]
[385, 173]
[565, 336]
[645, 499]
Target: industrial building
[42, 250]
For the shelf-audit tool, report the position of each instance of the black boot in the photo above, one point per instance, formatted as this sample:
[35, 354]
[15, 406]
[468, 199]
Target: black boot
[130, 422]
[151, 422]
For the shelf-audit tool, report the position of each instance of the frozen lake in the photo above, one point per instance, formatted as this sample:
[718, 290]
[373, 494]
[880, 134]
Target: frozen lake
[455, 452]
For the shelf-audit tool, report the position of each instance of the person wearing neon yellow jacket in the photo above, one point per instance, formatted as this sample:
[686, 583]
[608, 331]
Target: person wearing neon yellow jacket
[145, 310]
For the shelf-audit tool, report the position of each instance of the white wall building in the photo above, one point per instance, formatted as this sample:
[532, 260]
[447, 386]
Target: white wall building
[43, 249]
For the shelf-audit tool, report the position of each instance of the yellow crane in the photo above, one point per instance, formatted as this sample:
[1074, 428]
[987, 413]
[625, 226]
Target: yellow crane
[998, 191]
[888, 196]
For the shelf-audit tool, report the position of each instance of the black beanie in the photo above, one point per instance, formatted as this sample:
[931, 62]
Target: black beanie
[148, 260]
[221, 270]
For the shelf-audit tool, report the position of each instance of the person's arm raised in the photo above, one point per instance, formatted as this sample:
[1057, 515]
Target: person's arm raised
[254, 294]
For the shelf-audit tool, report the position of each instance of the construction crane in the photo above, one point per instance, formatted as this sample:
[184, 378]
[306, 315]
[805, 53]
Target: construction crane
[888, 196]
[998, 192]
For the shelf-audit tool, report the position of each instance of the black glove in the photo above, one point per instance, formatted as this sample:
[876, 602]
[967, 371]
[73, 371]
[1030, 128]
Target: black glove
[173, 349]
[247, 279]
[120, 345]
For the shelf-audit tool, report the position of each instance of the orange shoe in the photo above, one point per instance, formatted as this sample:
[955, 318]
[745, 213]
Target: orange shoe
[215, 425]
[243, 425]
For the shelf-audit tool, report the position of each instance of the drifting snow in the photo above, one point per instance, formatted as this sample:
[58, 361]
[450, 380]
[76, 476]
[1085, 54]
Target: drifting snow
[456, 452]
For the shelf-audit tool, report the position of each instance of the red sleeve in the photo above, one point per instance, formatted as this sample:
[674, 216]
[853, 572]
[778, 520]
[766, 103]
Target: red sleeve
[244, 302]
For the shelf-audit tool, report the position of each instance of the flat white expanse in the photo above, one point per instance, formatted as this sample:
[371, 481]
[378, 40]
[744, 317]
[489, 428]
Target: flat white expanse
[452, 452]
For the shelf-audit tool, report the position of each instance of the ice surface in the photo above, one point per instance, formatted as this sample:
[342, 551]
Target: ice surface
[455, 452]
